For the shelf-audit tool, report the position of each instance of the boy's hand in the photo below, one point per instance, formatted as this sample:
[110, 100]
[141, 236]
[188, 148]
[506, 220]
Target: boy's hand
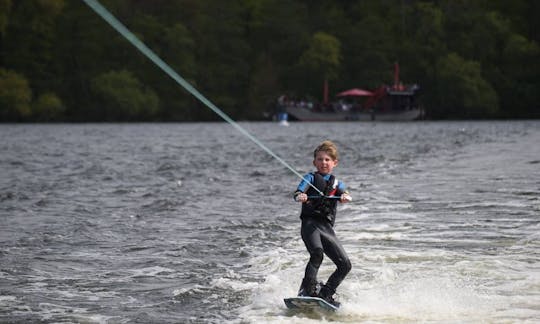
[302, 197]
[345, 198]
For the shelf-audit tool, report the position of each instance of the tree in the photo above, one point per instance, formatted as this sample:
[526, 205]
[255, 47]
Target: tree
[423, 45]
[176, 46]
[516, 69]
[369, 45]
[263, 88]
[15, 96]
[123, 97]
[321, 59]
[48, 107]
[279, 31]
[462, 90]
[222, 57]
[242, 53]
[178, 50]
[5, 8]
[30, 37]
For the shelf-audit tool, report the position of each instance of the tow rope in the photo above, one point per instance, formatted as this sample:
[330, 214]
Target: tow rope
[128, 35]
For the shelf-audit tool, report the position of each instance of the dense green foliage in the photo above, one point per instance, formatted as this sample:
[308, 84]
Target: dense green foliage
[60, 62]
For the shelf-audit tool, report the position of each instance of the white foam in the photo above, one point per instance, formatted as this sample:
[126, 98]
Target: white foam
[7, 299]
[188, 290]
[233, 283]
[376, 236]
[412, 297]
[374, 291]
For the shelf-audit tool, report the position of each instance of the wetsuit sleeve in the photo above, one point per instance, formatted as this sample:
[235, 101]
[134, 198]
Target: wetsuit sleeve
[303, 186]
[341, 187]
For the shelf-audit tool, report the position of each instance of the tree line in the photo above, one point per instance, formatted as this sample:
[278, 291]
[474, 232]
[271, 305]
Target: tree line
[59, 61]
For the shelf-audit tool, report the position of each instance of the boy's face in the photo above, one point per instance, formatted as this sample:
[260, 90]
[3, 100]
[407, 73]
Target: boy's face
[324, 163]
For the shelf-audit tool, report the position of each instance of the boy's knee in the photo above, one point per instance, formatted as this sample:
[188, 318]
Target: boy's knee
[316, 257]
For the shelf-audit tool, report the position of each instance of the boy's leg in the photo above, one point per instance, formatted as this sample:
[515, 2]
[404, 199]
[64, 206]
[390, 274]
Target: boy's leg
[312, 239]
[308, 288]
[334, 250]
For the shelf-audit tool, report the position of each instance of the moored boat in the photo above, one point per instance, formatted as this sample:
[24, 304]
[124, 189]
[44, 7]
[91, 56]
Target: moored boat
[397, 102]
[304, 114]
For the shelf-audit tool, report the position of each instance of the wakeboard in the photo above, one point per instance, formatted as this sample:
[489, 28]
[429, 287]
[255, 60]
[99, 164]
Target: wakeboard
[309, 304]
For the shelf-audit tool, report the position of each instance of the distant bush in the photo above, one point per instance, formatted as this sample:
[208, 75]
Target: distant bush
[48, 107]
[123, 97]
[15, 96]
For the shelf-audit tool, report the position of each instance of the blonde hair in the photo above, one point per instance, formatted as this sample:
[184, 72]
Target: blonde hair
[329, 148]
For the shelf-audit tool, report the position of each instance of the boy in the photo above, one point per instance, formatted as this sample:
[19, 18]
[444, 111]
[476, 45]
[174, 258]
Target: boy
[318, 217]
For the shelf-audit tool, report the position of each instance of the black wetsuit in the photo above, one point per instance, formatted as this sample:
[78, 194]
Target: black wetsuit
[318, 216]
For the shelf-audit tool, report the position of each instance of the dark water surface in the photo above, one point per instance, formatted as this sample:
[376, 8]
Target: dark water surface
[180, 223]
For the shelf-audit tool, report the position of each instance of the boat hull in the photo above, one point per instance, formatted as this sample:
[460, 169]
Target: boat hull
[306, 114]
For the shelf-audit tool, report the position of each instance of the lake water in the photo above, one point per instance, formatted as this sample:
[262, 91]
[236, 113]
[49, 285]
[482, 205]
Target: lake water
[193, 223]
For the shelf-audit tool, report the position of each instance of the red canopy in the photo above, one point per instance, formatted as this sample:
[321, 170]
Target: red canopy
[355, 93]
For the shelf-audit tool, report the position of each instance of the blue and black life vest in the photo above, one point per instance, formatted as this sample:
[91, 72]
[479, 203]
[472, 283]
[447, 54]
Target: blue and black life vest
[321, 208]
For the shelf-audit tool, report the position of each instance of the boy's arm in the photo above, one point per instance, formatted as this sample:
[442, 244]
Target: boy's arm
[345, 196]
[300, 193]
